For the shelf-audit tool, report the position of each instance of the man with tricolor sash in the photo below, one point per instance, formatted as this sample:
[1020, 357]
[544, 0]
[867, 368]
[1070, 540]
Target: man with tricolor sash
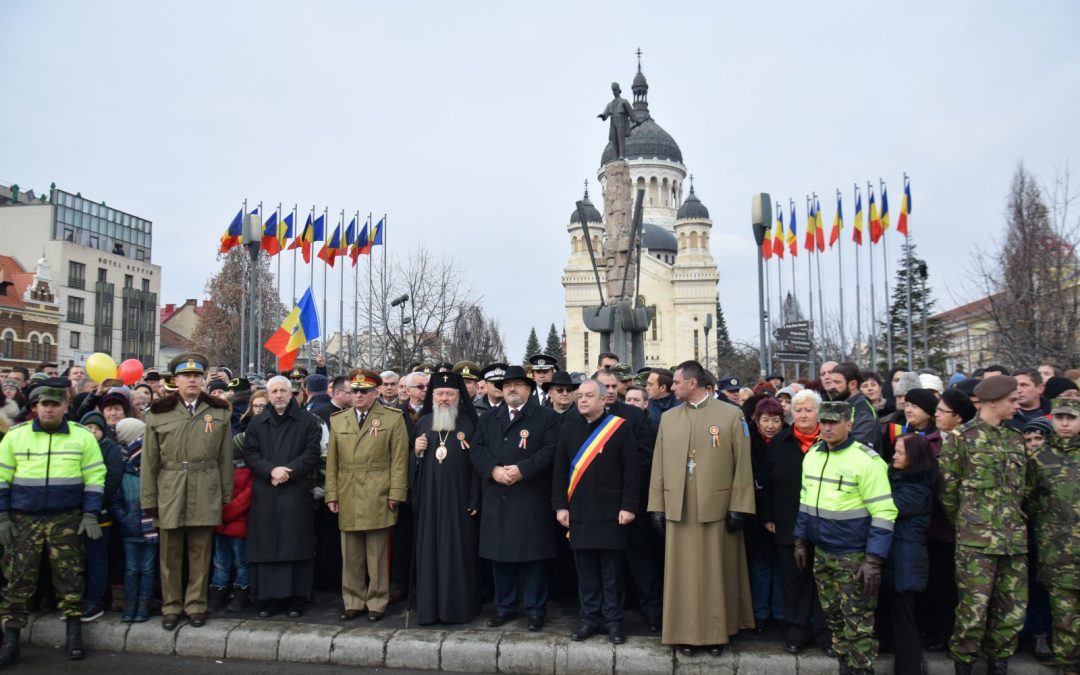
[595, 494]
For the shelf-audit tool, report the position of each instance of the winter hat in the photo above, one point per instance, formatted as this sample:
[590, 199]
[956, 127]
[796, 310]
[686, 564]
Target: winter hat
[1056, 385]
[94, 417]
[129, 430]
[908, 381]
[931, 381]
[959, 403]
[922, 398]
[1040, 425]
[956, 377]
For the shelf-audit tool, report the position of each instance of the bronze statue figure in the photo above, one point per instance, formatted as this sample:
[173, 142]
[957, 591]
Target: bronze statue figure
[621, 115]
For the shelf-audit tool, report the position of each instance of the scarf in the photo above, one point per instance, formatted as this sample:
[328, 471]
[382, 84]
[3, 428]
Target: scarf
[805, 440]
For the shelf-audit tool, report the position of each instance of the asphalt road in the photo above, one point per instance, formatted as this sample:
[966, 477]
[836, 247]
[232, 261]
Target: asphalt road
[52, 661]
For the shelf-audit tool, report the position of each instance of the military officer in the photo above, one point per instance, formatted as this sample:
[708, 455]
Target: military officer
[470, 373]
[847, 513]
[624, 375]
[492, 374]
[983, 464]
[543, 368]
[1055, 469]
[187, 474]
[367, 467]
[52, 482]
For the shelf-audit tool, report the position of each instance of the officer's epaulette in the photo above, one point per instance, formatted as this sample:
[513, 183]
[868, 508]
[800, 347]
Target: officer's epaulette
[343, 410]
[395, 409]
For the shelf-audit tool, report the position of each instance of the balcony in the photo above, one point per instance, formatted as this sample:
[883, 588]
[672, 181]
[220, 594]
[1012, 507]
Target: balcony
[76, 317]
[77, 282]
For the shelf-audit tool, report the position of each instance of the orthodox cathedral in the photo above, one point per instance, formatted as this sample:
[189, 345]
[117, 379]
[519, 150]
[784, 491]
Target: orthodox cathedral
[678, 274]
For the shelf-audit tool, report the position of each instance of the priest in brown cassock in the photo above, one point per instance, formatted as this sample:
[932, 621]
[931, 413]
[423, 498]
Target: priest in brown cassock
[446, 502]
[700, 492]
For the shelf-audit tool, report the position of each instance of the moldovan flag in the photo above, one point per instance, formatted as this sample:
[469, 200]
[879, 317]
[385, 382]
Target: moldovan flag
[856, 234]
[793, 235]
[837, 223]
[905, 209]
[875, 221]
[778, 233]
[299, 327]
[234, 235]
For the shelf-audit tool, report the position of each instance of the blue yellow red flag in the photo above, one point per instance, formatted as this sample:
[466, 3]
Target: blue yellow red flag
[778, 233]
[884, 209]
[819, 229]
[234, 234]
[270, 236]
[875, 221]
[793, 234]
[837, 224]
[856, 231]
[300, 326]
[905, 210]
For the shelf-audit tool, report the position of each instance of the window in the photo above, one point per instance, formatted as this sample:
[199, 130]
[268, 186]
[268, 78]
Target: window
[655, 321]
[129, 281]
[73, 342]
[75, 310]
[696, 344]
[146, 285]
[9, 344]
[46, 348]
[587, 350]
[102, 274]
[76, 274]
[34, 343]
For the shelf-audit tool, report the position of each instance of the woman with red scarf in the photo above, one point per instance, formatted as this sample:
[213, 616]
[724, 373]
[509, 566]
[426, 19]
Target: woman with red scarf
[781, 479]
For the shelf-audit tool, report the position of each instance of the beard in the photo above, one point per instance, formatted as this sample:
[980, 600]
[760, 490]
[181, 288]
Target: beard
[444, 418]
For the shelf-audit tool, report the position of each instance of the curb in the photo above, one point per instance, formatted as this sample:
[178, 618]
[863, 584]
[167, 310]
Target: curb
[450, 651]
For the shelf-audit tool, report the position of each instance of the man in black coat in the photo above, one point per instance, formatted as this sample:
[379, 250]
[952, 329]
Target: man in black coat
[282, 447]
[594, 491]
[513, 450]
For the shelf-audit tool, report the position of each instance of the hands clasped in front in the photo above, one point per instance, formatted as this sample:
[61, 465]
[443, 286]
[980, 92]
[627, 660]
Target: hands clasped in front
[279, 476]
[507, 475]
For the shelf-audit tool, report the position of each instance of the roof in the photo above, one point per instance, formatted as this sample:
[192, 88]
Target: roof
[692, 208]
[170, 309]
[11, 271]
[170, 338]
[656, 238]
[978, 308]
[591, 214]
[647, 141]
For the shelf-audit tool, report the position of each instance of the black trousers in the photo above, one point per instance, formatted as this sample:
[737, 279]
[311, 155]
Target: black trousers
[600, 586]
[534, 581]
[904, 631]
[802, 610]
[644, 568]
[401, 548]
[936, 607]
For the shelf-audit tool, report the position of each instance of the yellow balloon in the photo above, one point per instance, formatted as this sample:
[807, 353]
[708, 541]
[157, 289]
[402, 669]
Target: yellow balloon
[100, 367]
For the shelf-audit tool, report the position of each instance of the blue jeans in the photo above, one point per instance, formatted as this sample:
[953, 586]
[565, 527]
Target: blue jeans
[230, 553]
[140, 568]
[766, 589]
[97, 567]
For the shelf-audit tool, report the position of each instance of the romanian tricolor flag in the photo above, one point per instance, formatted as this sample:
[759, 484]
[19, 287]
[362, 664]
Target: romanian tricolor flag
[778, 233]
[593, 446]
[300, 327]
[811, 225]
[884, 209]
[875, 221]
[793, 234]
[234, 235]
[271, 237]
[856, 234]
[350, 241]
[376, 234]
[837, 223]
[286, 232]
[766, 244]
[905, 209]
[360, 246]
[819, 230]
[305, 239]
[332, 248]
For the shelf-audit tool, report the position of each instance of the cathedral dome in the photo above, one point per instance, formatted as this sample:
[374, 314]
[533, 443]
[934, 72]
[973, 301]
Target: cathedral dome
[657, 239]
[647, 141]
[591, 214]
[692, 208]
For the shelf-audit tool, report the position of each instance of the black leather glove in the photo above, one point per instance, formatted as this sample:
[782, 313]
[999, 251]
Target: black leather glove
[735, 521]
[659, 522]
[802, 554]
[869, 574]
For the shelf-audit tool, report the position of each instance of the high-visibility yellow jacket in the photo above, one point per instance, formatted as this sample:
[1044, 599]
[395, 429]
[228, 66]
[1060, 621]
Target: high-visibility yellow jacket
[43, 472]
[846, 501]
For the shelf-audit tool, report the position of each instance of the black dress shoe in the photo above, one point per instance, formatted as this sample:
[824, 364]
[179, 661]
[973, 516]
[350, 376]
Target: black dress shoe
[372, 617]
[295, 611]
[793, 647]
[267, 609]
[654, 625]
[350, 614]
[535, 623]
[829, 651]
[617, 635]
[687, 650]
[499, 619]
[584, 632]
[759, 628]
[716, 650]
[197, 620]
[169, 621]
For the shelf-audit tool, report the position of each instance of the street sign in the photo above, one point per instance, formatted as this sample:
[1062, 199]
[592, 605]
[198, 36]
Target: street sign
[791, 357]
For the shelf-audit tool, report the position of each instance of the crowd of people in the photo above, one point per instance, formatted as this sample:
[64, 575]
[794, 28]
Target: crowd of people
[851, 511]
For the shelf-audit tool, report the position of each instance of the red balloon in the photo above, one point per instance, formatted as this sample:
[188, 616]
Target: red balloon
[130, 371]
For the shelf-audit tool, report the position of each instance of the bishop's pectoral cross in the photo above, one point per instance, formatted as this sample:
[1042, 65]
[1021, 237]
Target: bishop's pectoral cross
[690, 466]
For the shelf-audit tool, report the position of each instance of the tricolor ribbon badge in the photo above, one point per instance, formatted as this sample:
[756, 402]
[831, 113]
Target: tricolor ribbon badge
[209, 426]
[375, 427]
[462, 441]
[523, 443]
[715, 432]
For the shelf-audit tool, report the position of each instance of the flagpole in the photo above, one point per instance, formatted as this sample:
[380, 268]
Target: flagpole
[768, 315]
[311, 284]
[780, 284]
[817, 256]
[280, 224]
[371, 291]
[294, 257]
[888, 300]
[257, 330]
[840, 268]
[873, 299]
[907, 246]
[858, 290]
[385, 253]
[243, 292]
[354, 351]
[341, 296]
[810, 285]
[794, 254]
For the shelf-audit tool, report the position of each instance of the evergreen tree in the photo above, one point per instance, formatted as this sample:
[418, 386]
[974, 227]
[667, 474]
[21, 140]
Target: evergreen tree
[554, 347]
[922, 305]
[532, 346]
[724, 348]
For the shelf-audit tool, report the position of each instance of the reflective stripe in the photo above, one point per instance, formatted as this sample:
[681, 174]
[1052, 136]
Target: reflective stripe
[877, 499]
[5, 466]
[33, 482]
[823, 480]
[90, 466]
[94, 488]
[52, 453]
[881, 523]
[854, 514]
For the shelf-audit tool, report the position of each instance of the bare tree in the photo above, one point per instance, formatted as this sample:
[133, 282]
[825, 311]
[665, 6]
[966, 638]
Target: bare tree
[1031, 283]
[475, 338]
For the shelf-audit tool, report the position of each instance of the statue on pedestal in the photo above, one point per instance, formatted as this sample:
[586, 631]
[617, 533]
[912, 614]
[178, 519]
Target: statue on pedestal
[621, 114]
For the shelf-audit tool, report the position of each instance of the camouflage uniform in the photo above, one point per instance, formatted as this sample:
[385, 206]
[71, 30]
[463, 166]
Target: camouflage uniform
[59, 532]
[1055, 472]
[986, 483]
[849, 612]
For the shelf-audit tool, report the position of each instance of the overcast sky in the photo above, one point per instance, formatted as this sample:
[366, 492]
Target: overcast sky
[473, 125]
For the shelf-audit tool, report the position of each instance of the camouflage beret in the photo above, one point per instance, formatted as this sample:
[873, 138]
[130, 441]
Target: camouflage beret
[1065, 406]
[995, 387]
[834, 411]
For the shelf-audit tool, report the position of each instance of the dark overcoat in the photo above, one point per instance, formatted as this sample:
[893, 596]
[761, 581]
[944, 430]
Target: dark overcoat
[607, 486]
[781, 484]
[908, 566]
[516, 521]
[281, 523]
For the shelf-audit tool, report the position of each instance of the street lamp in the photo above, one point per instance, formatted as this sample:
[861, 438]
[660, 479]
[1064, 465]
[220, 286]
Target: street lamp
[708, 327]
[399, 302]
[761, 216]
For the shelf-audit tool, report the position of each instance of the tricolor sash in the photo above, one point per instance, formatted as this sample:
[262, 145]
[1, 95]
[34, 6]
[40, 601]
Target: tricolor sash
[592, 447]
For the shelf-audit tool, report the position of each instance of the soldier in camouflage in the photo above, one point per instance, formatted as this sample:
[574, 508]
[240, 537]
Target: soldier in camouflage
[983, 464]
[1055, 473]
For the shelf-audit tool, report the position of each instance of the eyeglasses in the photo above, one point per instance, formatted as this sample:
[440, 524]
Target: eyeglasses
[561, 390]
[418, 386]
[258, 406]
[945, 411]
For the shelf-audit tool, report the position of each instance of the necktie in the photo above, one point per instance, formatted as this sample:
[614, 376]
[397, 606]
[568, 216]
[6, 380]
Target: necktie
[513, 414]
[191, 409]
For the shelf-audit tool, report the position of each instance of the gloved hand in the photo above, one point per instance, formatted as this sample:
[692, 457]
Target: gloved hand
[7, 530]
[90, 526]
[659, 522]
[802, 554]
[735, 521]
[869, 574]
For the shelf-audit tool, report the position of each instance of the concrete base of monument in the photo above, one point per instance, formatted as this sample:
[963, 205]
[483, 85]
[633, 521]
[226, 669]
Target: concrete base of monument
[319, 637]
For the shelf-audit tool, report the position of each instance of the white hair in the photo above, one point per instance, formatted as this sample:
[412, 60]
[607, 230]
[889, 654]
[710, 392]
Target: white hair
[387, 373]
[280, 379]
[806, 395]
[410, 379]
